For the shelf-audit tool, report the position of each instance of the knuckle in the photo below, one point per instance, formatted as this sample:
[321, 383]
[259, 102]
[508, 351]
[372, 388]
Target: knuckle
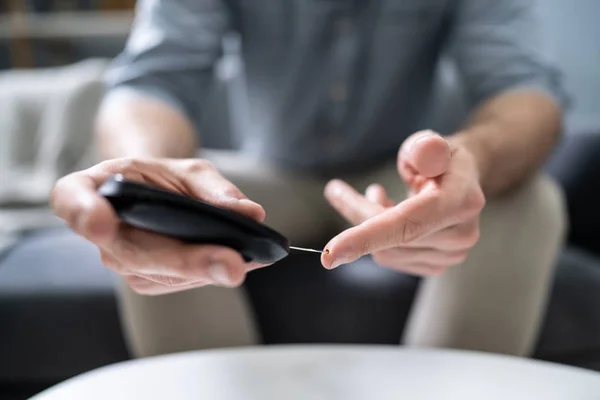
[237, 279]
[130, 167]
[197, 165]
[230, 190]
[409, 231]
[475, 201]
[464, 237]
[457, 258]
[237, 275]
[471, 237]
[126, 164]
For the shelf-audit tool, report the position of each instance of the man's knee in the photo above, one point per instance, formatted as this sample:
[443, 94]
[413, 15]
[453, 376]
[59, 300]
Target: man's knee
[537, 207]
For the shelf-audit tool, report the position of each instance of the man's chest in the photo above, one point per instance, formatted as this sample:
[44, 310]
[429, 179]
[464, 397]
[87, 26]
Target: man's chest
[295, 20]
[337, 62]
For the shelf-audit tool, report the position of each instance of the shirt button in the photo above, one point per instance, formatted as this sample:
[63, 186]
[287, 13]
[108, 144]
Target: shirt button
[338, 93]
[344, 25]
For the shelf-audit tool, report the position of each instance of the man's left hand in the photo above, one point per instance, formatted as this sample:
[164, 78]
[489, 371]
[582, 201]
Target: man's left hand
[433, 229]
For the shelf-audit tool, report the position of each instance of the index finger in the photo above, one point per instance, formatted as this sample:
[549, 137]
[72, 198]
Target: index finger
[408, 221]
[74, 199]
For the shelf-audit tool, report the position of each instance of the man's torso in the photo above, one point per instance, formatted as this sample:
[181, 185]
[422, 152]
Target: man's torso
[340, 79]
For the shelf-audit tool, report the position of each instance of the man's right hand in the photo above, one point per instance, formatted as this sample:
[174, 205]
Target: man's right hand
[153, 264]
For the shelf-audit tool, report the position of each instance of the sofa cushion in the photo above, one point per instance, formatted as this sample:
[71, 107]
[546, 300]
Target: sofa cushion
[58, 310]
[571, 331]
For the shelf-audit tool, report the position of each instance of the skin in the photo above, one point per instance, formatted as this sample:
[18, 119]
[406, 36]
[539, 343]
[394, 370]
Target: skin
[433, 229]
[502, 145]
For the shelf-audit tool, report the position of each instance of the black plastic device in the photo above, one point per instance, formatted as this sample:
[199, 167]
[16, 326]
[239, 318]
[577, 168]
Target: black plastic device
[192, 221]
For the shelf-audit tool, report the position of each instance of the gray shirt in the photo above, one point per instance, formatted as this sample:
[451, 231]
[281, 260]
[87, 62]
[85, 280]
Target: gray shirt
[333, 83]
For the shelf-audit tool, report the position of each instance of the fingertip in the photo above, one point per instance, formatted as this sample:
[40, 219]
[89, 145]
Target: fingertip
[373, 189]
[326, 259]
[333, 187]
[376, 193]
[429, 155]
[253, 210]
[336, 253]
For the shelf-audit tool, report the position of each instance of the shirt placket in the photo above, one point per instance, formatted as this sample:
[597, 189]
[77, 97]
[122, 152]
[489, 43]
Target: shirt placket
[344, 50]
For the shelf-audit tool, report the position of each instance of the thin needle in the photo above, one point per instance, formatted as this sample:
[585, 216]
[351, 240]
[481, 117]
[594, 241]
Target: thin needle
[303, 249]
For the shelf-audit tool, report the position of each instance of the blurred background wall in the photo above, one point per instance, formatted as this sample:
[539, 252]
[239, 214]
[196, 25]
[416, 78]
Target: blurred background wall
[572, 32]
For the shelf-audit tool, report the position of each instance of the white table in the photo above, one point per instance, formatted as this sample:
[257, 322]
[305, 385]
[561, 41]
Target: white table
[330, 372]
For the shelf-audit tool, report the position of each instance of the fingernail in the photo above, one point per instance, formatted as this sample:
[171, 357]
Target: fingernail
[425, 136]
[248, 201]
[251, 203]
[218, 273]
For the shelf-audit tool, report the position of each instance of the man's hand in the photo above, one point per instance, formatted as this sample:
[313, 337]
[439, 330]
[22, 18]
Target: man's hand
[149, 263]
[431, 230]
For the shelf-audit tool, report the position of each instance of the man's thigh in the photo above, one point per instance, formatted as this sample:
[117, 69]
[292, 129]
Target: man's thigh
[495, 300]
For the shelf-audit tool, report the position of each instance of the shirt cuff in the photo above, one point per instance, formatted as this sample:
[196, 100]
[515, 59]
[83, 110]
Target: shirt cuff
[139, 90]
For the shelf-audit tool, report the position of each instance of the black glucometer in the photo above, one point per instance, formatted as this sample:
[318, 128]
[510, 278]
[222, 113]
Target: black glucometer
[192, 221]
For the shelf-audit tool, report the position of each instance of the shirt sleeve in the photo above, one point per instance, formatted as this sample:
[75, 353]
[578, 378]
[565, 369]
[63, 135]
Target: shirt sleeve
[171, 51]
[497, 45]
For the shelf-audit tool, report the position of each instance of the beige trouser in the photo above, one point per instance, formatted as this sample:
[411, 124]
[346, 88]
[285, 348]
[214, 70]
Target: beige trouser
[493, 302]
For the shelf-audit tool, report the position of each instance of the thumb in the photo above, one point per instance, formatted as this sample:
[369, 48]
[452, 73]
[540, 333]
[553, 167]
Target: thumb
[425, 154]
[75, 200]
